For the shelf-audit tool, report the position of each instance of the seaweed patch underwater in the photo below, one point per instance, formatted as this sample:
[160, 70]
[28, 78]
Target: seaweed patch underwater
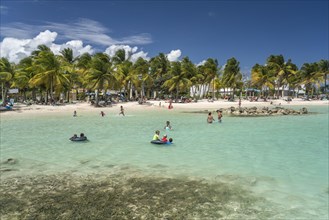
[119, 196]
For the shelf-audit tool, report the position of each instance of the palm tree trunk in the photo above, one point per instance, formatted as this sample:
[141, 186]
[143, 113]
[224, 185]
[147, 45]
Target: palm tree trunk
[96, 97]
[2, 94]
[47, 91]
[213, 90]
[325, 84]
[51, 90]
[68, 96]
[24, 95]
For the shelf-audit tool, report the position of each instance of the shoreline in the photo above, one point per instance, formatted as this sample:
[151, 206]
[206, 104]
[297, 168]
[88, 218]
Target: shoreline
[153, 105]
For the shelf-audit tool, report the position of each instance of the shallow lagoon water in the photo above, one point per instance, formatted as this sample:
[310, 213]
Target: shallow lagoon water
[281, 159]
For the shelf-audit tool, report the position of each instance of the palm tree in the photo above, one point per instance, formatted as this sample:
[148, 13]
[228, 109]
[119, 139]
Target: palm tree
[310, 75]
[141, 76]
[324, 69]
[159, 67]
[262, 78]
[24, 74]
[7, 72]
[296, 81]
[119, 57]
[188, 72]
[211, 73]
[39, 49]
[100, 75]
[281, 70]
[180, 79]
[83, 63]
[198, 81]
[49, 72]
[69, 65]
[122, 70]
[232, 77]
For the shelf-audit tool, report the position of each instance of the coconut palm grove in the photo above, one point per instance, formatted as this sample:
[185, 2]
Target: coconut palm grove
[48, 78]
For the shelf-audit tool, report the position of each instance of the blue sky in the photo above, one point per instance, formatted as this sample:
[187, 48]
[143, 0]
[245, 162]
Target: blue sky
[250, 31]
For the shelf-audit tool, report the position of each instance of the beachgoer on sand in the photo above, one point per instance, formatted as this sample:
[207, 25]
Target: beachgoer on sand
[210, 119]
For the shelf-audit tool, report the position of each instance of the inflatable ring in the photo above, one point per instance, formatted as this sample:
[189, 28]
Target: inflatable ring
[79, 139]
[158, 142]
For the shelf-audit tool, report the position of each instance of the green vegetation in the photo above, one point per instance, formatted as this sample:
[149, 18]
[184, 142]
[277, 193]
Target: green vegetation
[123, 197]
[55, 77]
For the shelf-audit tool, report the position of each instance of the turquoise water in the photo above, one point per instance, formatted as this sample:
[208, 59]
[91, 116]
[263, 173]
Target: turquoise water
[283, 159]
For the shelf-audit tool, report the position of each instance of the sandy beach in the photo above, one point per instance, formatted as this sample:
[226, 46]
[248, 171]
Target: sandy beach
[153, 106]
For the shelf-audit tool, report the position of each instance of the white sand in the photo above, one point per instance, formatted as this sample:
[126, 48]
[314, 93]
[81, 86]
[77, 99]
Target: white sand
[152, 105]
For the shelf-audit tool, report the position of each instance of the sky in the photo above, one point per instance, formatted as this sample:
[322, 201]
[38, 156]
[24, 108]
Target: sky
[249, 30]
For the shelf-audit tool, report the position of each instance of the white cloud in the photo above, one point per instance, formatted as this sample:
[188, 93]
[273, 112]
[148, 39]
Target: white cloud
[83, 29]
[16, 49]
[18, 30]
[137, 39]
[129, 51]
[201, 63]
[141, 54]
[76, 46]
[174, 55]
[47, 38]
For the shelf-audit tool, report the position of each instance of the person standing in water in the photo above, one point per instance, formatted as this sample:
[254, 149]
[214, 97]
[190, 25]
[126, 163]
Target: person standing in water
[210, 119]
[102, 114]
[122, 111]
[219, 115]
[75, 114]
[170, 104]
[168, 126]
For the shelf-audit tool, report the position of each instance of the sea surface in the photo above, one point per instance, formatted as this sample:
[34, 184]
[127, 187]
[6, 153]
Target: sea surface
[245, 167]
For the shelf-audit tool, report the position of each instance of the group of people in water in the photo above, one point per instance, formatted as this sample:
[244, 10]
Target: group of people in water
[76, 138]
[122, 112]
[164, 139]
[102, 113]
[156, 137]
[211, 119]
[82, 137]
